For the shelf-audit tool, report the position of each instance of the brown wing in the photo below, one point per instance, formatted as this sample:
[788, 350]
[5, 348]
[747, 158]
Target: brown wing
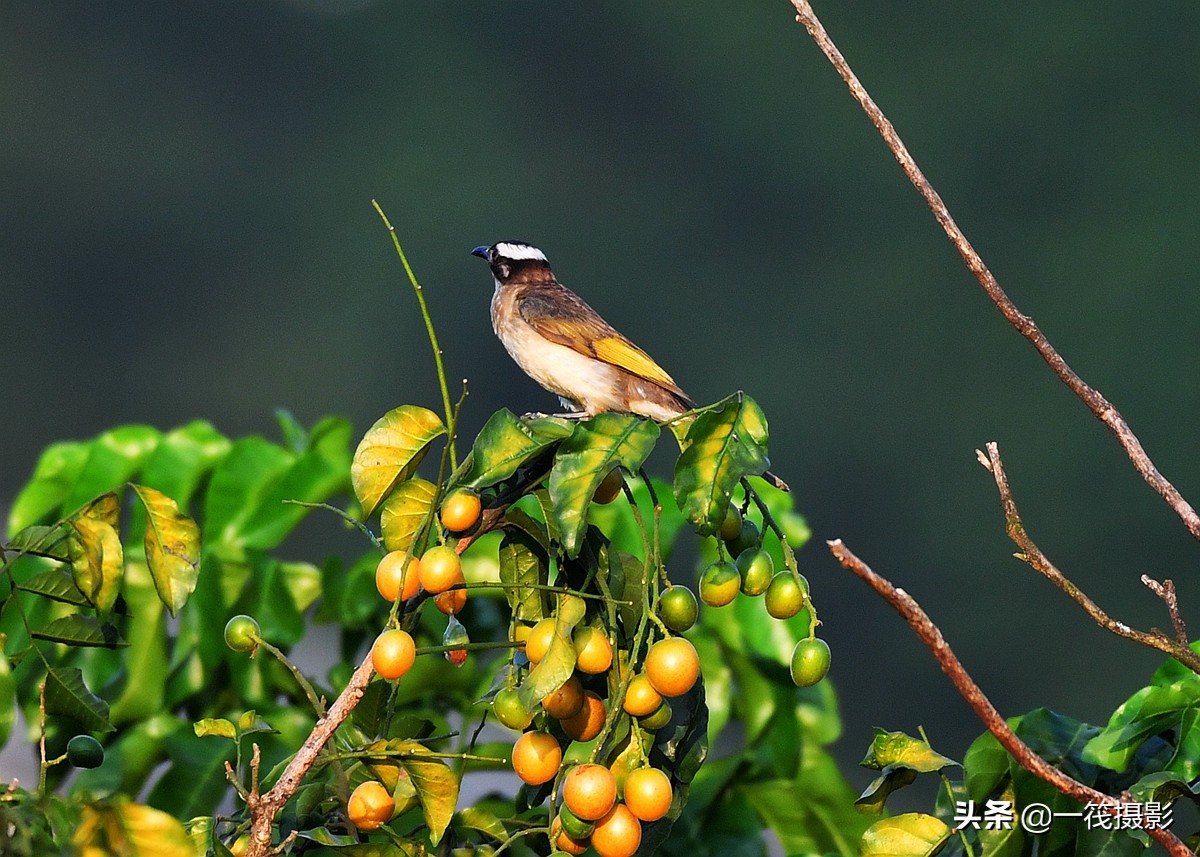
[561, 316]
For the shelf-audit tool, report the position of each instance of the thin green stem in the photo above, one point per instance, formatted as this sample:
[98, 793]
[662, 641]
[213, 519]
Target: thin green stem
[433, 341]
[314, 700]
[345, 516]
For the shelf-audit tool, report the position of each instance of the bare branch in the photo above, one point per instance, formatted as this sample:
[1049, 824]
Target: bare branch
[1099, 406]
[1039, 562]
[1166, 591]
[931, 635]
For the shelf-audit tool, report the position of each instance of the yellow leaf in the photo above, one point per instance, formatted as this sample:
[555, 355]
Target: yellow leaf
[172, 547]
[403, 512]
[132, 830]
[390, 452]
[97, 561]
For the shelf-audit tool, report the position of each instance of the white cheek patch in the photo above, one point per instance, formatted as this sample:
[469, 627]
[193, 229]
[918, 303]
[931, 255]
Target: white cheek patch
[512, 251]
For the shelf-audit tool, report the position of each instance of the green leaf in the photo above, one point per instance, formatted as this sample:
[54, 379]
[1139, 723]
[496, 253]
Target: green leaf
[144, 663]
[1163, 787]
[182, 458]
[57, 541]
[236, 487]
[78, 630]
[312, 477]
[404, 511]
[194, 782]
[523, 565]
[46, 492]
[8, 699]
[476, 818]
[1148, 712]
[66, 694]
[893, 778]
[216, 727]
[390, 452]
[723, 446]
[114, 457]
[985, 766]
[172, 547]
[436, 786]
[913, 834]
[56, 584]
[585, 458]
[559, 663]
[98, 562]
[814, 813]
[506, 442]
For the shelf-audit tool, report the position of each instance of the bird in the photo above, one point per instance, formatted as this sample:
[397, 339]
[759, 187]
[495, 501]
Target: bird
[565, 345]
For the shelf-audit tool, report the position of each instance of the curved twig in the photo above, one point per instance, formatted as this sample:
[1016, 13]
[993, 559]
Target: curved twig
[1039, 562]
[1099, 406]
[931, 635]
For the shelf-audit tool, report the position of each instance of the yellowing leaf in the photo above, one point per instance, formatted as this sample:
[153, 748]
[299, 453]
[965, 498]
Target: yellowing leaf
[390, 452]
[403, 512]
[435, 784]
[172, 547]
[97, 561]
[913, 834]
[133, 830]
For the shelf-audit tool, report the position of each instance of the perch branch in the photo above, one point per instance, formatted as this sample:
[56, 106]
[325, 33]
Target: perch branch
[1166, 591]
[931, 635]
[1039, 562]
[264, 807]
[1099, 406]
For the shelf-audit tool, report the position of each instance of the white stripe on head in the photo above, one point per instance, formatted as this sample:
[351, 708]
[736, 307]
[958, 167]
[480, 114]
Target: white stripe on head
[515, 251]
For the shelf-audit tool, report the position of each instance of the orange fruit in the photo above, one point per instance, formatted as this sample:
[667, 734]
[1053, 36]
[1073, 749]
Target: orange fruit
[393, 653]
[370, 806]
[590, 791]
[618, 833]
[566, 701]
[393, 580]
[648, 793]
[587, 724]
[460, 510]
[451, 601]
[641, 698]
[593, 651]
[539, 640]
[536, 757]
[672, 666]
[440, 569]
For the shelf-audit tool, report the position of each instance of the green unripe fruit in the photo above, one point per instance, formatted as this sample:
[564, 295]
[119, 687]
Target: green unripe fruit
[510, 710]
[756, 569]
[678, 609]
[810, 662]
[731, 525]
[575, 826]
[658, 719]
[785, 597]
[242, 633]
[84, 751]
[748, 537]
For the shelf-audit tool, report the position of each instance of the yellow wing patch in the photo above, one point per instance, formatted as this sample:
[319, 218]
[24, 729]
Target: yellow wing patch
[621, 352]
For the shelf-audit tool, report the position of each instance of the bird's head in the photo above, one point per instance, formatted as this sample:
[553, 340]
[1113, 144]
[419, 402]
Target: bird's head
[508, 259]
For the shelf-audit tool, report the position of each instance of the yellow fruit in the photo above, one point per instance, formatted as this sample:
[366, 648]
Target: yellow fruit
[618, 833]
[641, 698]
[370, 806]
[536, 757]
[393, 653]
[593, 651]
[648, 793]
[393, 580]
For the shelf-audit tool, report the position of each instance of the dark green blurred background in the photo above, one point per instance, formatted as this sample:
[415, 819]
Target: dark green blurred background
[186, 231]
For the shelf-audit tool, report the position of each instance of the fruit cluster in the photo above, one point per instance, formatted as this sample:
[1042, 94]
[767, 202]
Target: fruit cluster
[752, 573]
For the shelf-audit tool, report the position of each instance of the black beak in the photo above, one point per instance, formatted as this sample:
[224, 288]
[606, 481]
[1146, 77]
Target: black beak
[481, 251]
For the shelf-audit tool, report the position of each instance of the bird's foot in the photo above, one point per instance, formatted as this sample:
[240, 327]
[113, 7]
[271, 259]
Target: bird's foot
[573, 415]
